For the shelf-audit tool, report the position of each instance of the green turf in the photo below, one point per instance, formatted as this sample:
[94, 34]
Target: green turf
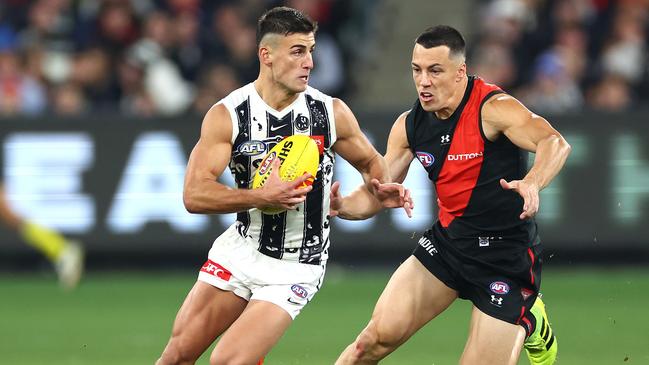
[600, 317]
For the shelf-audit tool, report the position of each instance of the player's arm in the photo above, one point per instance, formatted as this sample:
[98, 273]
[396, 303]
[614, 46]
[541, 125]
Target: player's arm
[504, 114]
[202, 192]
[398, 154]
[377, 192]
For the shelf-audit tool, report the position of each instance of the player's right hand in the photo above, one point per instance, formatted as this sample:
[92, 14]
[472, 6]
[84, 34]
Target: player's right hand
[393, 195]
[283, 194]
[528, 191]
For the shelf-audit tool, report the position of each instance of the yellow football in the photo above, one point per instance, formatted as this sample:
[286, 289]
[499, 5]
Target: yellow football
[298, 155]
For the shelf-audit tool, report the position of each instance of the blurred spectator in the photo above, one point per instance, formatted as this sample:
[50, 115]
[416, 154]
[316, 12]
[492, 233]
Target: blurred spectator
[493, 61]
[233, 40]
[612, 93]
[187, 53]
[625, 52]
[68, 99]
[553, 90]
[163, 83]
[19, 92]
[50, 25]
[91, 71]
[220, 80]
[115, 27]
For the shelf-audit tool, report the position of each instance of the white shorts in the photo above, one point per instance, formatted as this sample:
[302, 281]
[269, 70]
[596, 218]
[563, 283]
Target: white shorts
[235, 265]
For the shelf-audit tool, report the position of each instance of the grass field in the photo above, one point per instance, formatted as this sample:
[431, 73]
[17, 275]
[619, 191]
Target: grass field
[600, 317]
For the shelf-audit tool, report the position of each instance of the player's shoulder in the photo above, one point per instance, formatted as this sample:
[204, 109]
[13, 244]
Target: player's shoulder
[316, 94]
[500, 103]
[403, 116]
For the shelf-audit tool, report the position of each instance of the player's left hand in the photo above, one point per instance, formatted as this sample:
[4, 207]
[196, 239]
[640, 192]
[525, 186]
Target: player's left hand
[335, 199]
[393, 195]
[529, 192]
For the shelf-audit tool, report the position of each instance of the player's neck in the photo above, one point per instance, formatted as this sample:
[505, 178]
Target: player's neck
[273, 94]
[454, 101]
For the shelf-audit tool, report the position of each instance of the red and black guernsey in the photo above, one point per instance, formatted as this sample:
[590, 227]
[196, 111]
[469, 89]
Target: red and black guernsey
[466, 168]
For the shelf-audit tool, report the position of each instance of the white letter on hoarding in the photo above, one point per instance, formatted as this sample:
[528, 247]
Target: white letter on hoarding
[42, 177]
[152, 186]
[630, 179]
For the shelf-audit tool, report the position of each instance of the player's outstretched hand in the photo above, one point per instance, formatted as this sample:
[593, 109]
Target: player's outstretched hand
[393, 195]
[284, 194]
[335, 199]
[528, 191]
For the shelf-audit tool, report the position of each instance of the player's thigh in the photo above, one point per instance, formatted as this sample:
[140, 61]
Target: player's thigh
[205, 314]
[412, 298]
[492, 341]
[253, 334]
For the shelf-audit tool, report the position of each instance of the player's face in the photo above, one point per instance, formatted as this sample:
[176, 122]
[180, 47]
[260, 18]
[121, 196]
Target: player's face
[292, 61]
[437, 76]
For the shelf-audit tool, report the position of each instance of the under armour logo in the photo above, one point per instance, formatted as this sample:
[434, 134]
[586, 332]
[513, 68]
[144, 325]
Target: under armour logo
[496, 301]
[446, 138]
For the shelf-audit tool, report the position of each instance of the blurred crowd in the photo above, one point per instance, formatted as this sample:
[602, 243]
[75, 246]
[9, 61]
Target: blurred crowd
[167, 57]
[149, 57]
[564, 55]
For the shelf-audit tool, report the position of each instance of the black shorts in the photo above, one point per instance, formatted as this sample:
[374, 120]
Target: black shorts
[500, 277]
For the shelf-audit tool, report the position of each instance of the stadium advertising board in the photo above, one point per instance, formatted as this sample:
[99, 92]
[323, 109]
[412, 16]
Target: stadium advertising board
[117, 184]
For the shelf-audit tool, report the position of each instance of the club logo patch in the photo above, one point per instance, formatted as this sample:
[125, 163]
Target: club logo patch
[499, 287]
[301, 123]
[426, 158]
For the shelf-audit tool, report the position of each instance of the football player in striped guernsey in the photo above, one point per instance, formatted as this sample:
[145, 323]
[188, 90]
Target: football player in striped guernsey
[265, 268]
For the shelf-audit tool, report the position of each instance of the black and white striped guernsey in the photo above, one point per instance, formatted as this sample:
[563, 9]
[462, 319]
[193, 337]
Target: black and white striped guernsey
[300, 235]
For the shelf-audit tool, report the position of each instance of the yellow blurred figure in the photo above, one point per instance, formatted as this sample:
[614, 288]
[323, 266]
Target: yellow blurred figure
[67, 256]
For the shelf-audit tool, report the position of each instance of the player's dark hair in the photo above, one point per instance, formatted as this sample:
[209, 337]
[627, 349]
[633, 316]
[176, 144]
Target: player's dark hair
[443, 35]
[284, 20]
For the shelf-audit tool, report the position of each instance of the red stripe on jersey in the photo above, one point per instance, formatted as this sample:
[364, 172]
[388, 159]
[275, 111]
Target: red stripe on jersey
[531, 253]
[461, 169]
[527, 322]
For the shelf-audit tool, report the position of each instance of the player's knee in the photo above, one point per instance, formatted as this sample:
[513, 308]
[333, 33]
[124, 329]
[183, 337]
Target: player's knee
[231, 357]
[377, 341]
[176, 354]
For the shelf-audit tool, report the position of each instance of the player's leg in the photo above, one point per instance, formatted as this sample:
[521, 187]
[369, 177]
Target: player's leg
[412, 297]
[541, 345]
[492, 341]
[252, 335]
[66, 256]
[205, 314]
[45, 240]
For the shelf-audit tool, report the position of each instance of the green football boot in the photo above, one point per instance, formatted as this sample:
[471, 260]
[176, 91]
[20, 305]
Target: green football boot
[541, 346]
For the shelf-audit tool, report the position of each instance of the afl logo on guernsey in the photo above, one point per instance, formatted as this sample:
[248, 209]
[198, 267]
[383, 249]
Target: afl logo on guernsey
[299, 291]
[499, 287]
[252, 148]
[425, 158]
